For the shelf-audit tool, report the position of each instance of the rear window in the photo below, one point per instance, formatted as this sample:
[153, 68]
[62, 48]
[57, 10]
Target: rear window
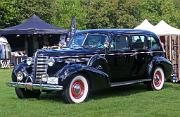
[138, 42]
[153, 44]
[119, 43]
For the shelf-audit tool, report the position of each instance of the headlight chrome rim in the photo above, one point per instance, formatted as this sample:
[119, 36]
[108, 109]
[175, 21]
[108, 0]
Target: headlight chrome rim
[29, 60]
[44, 78]
[51, 61]
[19, 76]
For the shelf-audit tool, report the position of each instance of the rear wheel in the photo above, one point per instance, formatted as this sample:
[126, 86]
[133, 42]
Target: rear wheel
[158, 79]
[77, 90]
[23, 93]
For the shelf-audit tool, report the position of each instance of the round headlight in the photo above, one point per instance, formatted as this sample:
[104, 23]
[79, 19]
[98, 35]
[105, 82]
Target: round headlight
[19, 76]
[29, 61]
[44, 77]
[51, 61]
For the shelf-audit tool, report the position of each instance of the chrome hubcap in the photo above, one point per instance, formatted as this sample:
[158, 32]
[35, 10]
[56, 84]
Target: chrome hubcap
[77, 89]
[157, 78]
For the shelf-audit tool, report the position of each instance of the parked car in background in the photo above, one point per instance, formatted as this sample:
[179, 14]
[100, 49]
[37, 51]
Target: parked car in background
[95, 59]
[5, 53]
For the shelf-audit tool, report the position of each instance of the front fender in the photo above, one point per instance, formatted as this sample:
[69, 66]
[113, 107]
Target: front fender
[20, 67]
[98, 79]
[99, 62]
[162, 62]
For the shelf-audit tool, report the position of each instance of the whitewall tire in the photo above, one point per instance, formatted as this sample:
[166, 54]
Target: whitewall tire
[158, 79]
[77, 90]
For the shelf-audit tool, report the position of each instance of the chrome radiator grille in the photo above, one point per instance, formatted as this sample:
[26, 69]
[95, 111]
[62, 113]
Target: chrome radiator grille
[41, 67]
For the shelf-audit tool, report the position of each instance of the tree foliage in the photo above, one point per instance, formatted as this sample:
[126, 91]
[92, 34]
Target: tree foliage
[111, 13]
[128, 13]
[91, 13]
[65, 10]
[42, 8]
[13, 12]
[8, 13]
[156, 10]
[99, 13]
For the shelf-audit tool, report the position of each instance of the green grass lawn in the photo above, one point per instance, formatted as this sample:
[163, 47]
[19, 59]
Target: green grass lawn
[126, 101]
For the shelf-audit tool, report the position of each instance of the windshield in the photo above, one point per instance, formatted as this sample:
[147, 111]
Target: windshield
[77, 41]
[88, 41]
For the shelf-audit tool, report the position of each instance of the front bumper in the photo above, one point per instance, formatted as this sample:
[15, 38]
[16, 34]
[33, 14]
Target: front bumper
[32, 86]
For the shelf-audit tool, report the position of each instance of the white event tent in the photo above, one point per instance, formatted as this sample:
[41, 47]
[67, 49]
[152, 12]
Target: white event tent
[145, 25]
[163, 28]
[170, 37]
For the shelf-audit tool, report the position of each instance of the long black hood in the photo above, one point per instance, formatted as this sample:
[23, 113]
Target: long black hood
[67, 52]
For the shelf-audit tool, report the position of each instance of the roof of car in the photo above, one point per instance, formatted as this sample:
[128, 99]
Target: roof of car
[131, 31]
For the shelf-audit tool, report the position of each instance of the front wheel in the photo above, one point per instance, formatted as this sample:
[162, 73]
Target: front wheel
[77, 90]
[23, 93]
[158, 79]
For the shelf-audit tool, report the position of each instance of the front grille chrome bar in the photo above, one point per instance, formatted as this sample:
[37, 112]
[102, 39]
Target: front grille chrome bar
[41, 67]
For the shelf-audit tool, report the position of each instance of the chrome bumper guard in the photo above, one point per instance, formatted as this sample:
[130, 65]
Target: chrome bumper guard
[32, 86]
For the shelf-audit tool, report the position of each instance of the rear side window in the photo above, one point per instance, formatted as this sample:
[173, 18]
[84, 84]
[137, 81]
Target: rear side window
[138, 42]
[153, 43]
[119, 43]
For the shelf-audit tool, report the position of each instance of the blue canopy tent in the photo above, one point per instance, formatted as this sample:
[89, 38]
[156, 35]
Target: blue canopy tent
[33, 25]
[31, 33]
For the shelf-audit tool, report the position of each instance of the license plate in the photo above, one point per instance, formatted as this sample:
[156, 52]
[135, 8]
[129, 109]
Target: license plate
[52, 80]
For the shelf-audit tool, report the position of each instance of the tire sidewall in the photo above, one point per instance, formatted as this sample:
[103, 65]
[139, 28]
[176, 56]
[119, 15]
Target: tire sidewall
[160, 70]
[68, 93]
[23, 93]
[20, 93]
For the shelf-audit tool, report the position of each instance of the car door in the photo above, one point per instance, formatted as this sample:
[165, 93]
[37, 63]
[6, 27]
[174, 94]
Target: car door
[140, 56]
[119, 58]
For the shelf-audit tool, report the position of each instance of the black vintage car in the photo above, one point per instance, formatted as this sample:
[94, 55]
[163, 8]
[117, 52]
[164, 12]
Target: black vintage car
[95, 59]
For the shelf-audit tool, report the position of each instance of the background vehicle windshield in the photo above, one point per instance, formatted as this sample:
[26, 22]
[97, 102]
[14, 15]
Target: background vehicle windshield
[88, 41]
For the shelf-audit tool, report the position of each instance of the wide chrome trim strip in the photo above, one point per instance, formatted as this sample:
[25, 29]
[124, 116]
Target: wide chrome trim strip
[32, 86]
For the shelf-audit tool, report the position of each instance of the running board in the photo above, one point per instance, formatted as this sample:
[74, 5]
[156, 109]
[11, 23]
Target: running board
[128, 82]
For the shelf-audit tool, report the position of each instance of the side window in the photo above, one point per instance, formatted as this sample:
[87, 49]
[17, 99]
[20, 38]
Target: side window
[119, 43]
[153, 44]
[138, 42]
[95, 41]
